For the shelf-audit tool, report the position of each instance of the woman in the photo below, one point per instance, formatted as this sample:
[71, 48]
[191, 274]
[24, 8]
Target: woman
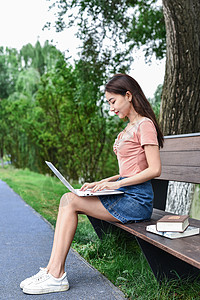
[137, 150]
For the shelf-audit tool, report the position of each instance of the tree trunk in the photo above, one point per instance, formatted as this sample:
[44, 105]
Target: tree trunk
[2, 163]
[180, 105]
[179, 197]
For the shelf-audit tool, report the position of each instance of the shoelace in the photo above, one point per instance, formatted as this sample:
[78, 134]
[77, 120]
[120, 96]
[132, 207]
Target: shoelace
[42, 277]
[42, 270]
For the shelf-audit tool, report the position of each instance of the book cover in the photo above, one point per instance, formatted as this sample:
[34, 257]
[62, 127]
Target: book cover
[173, 223]
[191, 230]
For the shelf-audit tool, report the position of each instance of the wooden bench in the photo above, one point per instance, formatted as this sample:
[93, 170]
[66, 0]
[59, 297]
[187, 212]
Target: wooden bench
[168, 258]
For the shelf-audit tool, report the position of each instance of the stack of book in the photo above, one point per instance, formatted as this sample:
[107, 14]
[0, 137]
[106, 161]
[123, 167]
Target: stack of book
[173, 227]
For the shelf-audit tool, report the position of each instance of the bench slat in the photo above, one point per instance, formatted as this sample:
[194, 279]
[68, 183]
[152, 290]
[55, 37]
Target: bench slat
[182, 173]
[182, 158]
[186, 143]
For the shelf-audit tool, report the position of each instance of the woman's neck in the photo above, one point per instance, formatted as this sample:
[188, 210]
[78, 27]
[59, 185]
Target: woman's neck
[134, 118]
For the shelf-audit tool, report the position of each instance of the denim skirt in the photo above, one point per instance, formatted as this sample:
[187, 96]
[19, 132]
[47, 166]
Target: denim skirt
[135, 205]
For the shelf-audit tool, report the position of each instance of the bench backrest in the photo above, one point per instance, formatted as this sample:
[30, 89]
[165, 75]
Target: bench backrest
[180, 159]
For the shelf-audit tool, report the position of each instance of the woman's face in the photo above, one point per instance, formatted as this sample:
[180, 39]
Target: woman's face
[120, 105]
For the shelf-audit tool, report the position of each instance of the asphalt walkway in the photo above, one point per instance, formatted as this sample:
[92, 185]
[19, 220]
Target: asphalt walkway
[25, 245]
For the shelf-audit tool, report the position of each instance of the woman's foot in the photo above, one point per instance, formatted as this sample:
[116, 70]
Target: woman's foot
[32, 278]
[46, 283]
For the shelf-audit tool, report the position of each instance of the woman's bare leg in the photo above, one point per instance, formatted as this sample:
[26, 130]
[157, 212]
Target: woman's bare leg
[67, 220]
[64, 201]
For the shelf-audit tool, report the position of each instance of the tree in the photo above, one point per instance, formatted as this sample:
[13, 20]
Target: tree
[17, 112]
[4, 76]
[3, 130]
[119, 22]
[8, 71]
[27, 82]
[40, 58]
[8, 77]
[180, 108]
[27, 56]
[19, 80]
[69, 126]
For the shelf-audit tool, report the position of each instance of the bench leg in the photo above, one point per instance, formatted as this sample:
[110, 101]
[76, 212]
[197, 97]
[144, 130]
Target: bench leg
[101, 227]
[165, 265]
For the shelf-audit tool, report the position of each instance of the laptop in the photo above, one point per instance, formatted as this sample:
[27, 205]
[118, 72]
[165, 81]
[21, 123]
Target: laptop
[77, 191]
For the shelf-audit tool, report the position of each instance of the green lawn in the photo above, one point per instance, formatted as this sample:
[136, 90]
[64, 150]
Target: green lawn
[117, 256]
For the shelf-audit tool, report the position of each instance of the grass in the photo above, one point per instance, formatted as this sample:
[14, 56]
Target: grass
[117, 256]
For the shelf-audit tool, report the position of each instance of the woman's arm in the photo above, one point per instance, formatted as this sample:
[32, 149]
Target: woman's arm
[112, 178]
[153, 170]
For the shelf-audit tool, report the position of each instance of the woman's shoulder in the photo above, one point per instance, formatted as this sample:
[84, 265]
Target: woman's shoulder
[146, 123]
[147, 132]
[145, 120]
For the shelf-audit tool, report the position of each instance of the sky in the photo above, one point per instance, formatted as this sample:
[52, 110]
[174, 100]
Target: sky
[21, 22]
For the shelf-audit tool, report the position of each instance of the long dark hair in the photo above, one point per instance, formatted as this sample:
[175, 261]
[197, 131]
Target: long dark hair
[120, 84]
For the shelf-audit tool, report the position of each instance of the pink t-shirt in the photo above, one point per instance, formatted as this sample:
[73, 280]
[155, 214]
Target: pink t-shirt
[129, 147]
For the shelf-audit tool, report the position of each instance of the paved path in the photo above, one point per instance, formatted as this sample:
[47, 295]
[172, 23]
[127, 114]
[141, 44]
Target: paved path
[25, 245]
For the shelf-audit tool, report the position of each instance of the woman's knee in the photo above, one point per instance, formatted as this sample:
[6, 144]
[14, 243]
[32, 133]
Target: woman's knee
[67, 200]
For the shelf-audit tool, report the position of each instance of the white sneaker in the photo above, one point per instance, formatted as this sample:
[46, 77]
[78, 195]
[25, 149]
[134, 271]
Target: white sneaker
[32, 278]
[46, 283]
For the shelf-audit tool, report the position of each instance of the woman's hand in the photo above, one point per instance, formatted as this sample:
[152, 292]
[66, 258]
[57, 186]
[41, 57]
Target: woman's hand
[88, 185]
[101, 185]
[106, 185]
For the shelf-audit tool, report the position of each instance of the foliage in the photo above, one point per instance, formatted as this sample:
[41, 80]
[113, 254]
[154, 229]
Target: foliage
[115, 27]
[18, 103]
[18, 111]
[74, 128]
[148, 28]
[8, 71]
[3, 128]
[156, 101]
[39, 58]
[58, 115]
